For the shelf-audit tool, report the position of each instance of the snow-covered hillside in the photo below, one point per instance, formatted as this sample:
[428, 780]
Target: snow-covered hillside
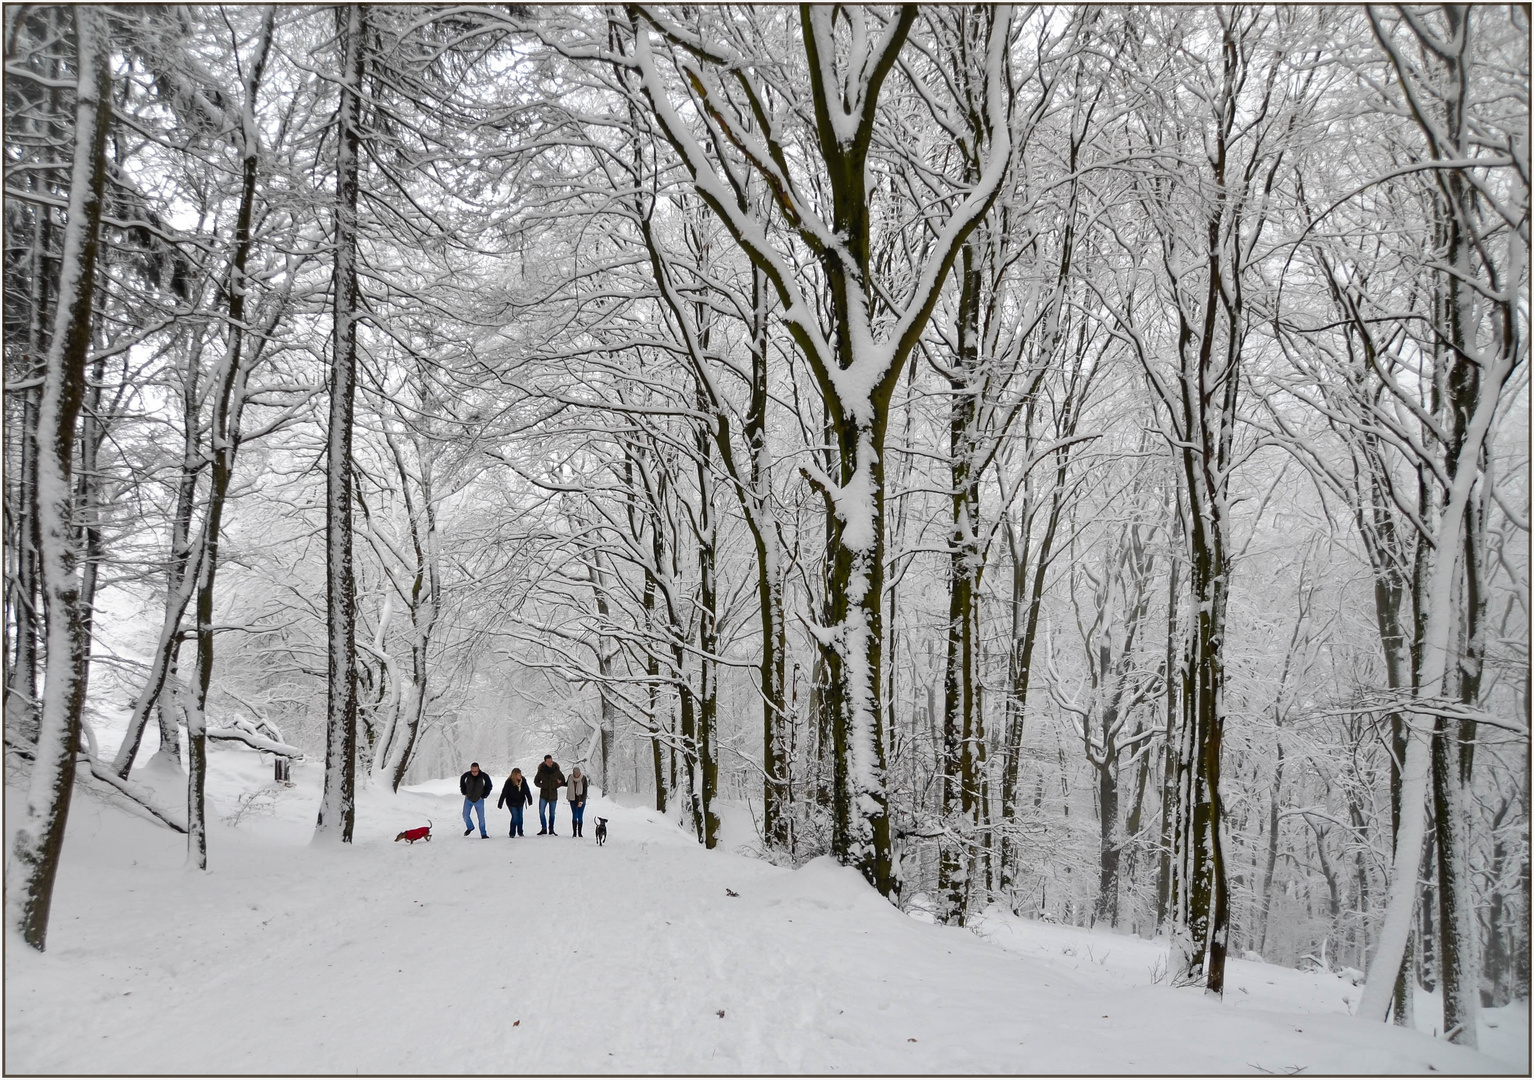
[552, 956]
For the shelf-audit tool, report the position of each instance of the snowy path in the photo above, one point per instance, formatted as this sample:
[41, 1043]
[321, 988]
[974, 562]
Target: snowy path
[549, 956]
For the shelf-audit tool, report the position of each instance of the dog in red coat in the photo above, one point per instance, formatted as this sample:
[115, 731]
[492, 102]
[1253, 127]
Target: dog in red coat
[410, 836]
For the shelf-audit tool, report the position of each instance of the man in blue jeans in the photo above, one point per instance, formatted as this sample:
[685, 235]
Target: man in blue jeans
[475, 785]
[548, 781]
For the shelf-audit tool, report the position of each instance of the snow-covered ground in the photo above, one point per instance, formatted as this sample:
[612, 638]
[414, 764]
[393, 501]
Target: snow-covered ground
[551, 956]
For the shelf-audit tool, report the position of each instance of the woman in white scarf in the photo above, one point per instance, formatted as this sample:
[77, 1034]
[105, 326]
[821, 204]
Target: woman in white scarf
[575, 791]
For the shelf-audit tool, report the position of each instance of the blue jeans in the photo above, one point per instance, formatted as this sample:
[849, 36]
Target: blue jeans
[547, 806]
[577, 812]
[479, 806]
[516, 820]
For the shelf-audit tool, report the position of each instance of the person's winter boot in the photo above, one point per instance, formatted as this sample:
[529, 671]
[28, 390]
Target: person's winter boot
[467, 831]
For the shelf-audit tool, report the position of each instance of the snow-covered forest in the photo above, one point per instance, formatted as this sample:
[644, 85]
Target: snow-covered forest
[1066, 464]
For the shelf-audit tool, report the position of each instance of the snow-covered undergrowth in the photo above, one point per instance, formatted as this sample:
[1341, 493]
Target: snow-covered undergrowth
[552, 956]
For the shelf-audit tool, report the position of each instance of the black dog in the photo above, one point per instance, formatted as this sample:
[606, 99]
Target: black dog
[601, 831]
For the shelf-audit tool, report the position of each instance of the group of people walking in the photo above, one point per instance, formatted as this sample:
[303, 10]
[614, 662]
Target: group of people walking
[476, 787]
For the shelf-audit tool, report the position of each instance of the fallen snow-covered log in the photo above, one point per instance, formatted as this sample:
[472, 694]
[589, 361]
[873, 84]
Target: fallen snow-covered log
[243, 731]
[135, 793]
[101, 774]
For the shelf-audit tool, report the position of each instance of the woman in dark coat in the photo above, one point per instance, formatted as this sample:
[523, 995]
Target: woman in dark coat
[515, 795]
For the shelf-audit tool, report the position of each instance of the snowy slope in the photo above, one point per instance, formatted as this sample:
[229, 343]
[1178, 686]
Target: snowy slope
[551, 956]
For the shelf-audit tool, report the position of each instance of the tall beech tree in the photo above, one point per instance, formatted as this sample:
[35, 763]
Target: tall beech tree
[1468, 347]
[1206, 191]
[338, 809]
[855, 335]
[34, 856]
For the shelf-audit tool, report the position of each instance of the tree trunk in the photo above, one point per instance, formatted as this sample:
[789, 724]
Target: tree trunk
[40, 833]
[23, 596]
[1205, 399]
[606, 650]
[652, 687]
[425, 603]
[708, 639]
[1389, 556]
[1458, 964]
[1175, 677]
[1438, 601]
[1133, 823]
[21, 705]
[337, 814]
[1027, 604]
[960, 783]
[776, 809]
[1265, 894]
[87, 512]
[1200, 893]
[860, 830]
[1498, 959]
[688, 731]
[180, 583]
[224, 444]
[1106, 909]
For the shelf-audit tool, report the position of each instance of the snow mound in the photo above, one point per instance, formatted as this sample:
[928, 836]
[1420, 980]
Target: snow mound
[827, 885]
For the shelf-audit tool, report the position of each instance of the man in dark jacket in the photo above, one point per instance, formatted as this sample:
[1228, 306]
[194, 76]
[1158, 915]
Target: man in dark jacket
[548, 781]
[475, 785]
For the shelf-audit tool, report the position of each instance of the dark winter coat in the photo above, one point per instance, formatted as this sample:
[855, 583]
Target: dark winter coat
[475, 788]
[548, 782]
[513, 798]
[575, 791]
